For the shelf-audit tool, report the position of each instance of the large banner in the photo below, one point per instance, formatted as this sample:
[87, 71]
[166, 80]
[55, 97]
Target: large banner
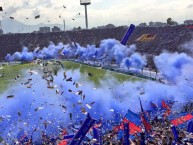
[146, 37]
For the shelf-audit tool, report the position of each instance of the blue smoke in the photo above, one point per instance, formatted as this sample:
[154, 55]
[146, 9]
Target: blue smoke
[110, 50]
[172, 65]
[134, 61]
[21, 56]
[118, 97]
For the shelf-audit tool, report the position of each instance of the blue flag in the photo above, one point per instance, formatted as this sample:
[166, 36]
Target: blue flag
[87, 124]
[175, 133]
[144, 119]
[190, 127]
[133, 117]
[68, 137]
[126, 133]
[97, 136]
[154, 106]
[127, 34]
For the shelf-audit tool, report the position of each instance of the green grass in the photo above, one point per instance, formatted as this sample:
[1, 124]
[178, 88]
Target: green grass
[11, 71]
[99, 74]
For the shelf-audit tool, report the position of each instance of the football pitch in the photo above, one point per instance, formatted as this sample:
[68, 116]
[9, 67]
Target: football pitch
[8, 73]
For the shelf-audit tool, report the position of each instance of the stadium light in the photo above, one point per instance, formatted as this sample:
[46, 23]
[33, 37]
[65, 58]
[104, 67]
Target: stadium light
[85, 3]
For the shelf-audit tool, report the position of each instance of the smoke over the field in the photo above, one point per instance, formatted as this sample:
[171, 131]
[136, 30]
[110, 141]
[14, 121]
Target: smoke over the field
[173, 65]
[41, 108]
[109, 50]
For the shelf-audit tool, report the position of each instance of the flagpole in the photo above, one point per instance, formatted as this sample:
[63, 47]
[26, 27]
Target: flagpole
[141, 105]
[143, 119]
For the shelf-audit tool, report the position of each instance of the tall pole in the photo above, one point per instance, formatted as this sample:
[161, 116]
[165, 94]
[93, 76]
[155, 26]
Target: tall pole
[86, 18]
[85, 3]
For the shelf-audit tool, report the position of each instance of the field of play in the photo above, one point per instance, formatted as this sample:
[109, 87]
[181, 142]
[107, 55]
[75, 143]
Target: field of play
[9, 72]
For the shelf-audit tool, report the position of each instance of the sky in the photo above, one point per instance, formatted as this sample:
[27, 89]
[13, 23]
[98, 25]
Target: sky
[100, 12]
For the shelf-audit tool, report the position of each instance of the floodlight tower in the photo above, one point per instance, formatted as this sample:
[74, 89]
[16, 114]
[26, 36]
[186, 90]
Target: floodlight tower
[85, 3]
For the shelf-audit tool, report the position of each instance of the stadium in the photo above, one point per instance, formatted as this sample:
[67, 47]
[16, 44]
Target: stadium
[110, 85]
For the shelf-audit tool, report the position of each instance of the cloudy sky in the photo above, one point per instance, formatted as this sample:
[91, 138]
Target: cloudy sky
[100, 12]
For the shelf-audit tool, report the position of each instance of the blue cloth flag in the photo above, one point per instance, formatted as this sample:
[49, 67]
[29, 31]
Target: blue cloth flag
[190, 127]
[87, 124]
[97, 136]
[126, 133]
[175, 133]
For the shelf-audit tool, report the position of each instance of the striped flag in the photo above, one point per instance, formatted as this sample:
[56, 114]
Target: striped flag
[134, 123]
[182, 119]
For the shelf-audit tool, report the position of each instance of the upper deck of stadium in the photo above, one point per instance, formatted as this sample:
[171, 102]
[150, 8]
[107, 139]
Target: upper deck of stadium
[149, 40]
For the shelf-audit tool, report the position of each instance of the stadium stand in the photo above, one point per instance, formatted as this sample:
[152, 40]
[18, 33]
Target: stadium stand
[164, 38]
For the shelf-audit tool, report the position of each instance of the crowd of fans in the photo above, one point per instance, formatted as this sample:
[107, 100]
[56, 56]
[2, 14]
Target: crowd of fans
[167, 38]
[160, 134]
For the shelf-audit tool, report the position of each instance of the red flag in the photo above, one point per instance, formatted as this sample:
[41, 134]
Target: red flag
[181, 119]
[63, 142]
[133, 128]
[154, 106]
[189, 27]
[144, 119]
[164, 105]
[117, 128]
[134, 122]
[168, 110]
[98, 124]
[167, 113]
[145, 123]
[64, 132]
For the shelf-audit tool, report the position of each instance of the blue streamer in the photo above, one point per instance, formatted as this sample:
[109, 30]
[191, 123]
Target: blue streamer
[127, 34]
